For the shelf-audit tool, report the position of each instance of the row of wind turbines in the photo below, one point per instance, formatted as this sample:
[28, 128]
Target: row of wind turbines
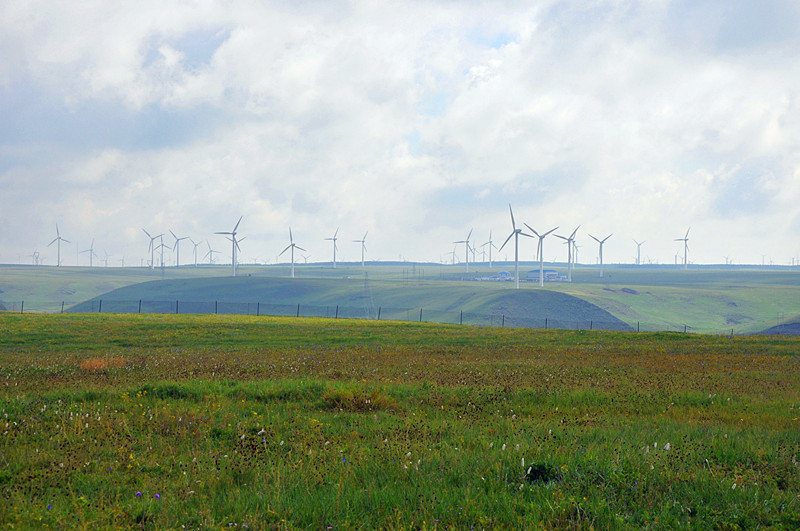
[572, 248]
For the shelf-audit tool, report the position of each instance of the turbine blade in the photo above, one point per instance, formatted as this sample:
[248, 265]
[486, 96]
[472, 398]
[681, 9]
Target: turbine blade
[574, 232]
[595, 239]
[287, 248]
[298, 247]
[237, 224]
[505, 242]
[607, 237]
[513, 224]
[548, 232]
[531, 229]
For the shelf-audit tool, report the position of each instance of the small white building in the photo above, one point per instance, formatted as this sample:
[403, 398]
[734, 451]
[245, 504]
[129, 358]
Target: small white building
[550, 275]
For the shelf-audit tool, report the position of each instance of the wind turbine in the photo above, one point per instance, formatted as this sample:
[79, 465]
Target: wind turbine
[540, 251]
[234, 245]
[638, 251]
[685, 241]
[195, 250]
[466, 254]
[91, 252]
[362, 241]
[152, 248]
[58, 239]
[107, 257]
[601, 242]
[490, 244]
[334, 245]
[570, 241]
[292, 246]
[210, 253]
[177, 247]
[516, 234]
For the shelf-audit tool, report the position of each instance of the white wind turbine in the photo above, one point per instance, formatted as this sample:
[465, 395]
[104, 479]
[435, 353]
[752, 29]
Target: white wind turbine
[685, 241]
[210, 253]
[362, 241]
[334, 245]
[58, 239]
[490, 244]
[234, 245]
[601, 242]
[292, 246]
[195, 250]
[516, 234]
[570, 241]
[467, 249]
[638, 251]
[177, 247]
[540, 251]
[91, 252]
[152, 248]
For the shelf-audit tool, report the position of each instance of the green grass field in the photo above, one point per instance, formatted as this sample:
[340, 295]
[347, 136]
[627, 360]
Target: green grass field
[163, 421]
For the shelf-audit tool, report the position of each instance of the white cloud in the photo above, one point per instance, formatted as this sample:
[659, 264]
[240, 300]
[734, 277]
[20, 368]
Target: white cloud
[637, 119]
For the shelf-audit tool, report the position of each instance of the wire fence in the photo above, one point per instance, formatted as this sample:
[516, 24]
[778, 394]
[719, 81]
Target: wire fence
[339, 312]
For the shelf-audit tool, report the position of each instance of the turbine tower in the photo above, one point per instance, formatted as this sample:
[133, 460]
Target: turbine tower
[195, 250]
[234, 245]
[638, 251]
[91, 252]
[466, 249]
[540, 252]
[685, 241]
[58, 239]
[570, 241]
[490, 244]
[177, 247]
[362, 241]
[601, 242]
[516, 234]
[292, 246]
[152, 248]
[334, 245]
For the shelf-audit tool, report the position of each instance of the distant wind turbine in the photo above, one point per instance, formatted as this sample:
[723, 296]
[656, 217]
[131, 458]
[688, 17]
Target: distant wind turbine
[516, 234]
[152, 248]
[601, 242]
[333, 239]
[490, 244]
[195, 250]
[540, 251]
[638, 251]
[210, 253]
[292, 246]
[685, 241]
[570, 241]
[234, 245]
[91, 252]
[58, 239]
[363, 243]
[177, 247]
[467, 249]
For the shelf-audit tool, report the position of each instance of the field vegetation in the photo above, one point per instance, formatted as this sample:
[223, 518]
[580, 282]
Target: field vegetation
[164, 421]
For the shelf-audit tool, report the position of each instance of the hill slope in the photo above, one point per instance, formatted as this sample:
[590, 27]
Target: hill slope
[439, 301]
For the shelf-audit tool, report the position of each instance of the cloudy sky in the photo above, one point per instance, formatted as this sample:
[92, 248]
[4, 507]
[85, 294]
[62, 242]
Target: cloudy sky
[414, 120]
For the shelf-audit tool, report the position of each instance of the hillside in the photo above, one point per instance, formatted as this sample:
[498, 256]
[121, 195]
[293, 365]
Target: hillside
[439, 301]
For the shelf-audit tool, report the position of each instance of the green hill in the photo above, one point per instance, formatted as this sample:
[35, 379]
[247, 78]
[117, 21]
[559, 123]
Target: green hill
[479, 303]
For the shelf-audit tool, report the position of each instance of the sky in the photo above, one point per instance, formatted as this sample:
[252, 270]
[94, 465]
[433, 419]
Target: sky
[411, 121]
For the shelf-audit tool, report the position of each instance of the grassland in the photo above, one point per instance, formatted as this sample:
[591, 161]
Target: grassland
[161, 421]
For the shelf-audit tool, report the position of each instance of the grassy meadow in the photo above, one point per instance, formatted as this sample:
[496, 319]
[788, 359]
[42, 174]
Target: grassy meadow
[165, 421]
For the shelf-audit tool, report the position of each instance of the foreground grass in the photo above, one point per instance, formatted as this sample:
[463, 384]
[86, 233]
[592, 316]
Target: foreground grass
[209, 421]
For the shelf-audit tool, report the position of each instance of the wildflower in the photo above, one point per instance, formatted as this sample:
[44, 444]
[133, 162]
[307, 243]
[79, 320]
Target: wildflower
[138, 494]
[667, 447]
[158, 496]
[49, 506]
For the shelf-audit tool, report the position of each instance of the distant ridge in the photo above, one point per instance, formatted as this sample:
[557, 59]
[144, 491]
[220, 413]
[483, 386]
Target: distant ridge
[527, 304]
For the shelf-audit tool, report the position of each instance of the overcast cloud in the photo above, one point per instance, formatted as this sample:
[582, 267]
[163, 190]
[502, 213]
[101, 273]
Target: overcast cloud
[415, 121]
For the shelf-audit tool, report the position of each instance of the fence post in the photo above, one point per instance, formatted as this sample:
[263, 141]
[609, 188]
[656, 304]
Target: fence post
[731, 333]
[298, 310]
[545, 323]
[176, 307]
[62, 306]
[216, 307]
[100, 307]
[258, 309]
[591, 325]
[420, 315]
[22, 307]
[504, 320]
[140, 305]
[461, 319]
[337, 312]
[637, 326]
[684, 329]
[379, 313]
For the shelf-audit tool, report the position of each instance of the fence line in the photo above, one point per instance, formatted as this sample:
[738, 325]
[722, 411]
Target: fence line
[347, 312]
